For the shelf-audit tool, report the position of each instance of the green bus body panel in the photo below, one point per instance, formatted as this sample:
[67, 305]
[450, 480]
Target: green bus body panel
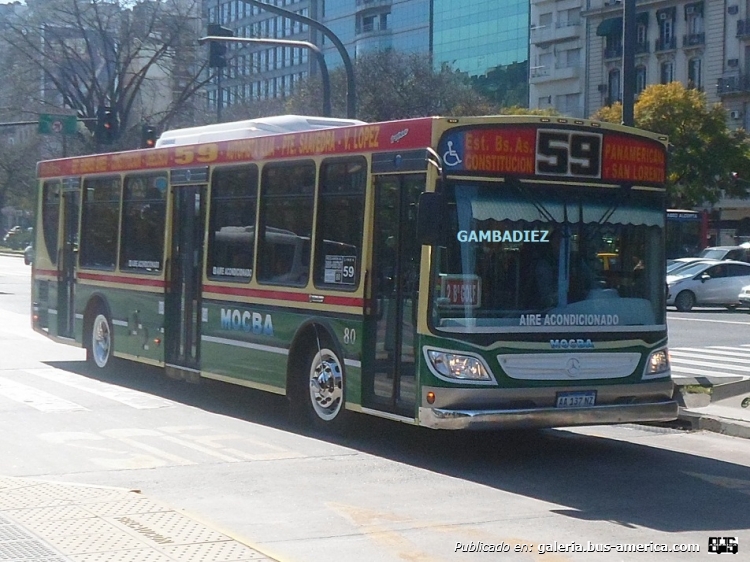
[252, 342]
[135, 315]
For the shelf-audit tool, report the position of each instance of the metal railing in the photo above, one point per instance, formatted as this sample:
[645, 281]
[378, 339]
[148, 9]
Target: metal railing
[663, 44]
[693, 39]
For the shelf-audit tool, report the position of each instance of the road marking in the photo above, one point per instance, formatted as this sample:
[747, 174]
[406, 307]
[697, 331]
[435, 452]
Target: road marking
[37, 399]
[738, 484]
[212, 441]
[370, 523]
[707, 320]
[128, 397]
[126, 436]
[713, 364]
[712, 355]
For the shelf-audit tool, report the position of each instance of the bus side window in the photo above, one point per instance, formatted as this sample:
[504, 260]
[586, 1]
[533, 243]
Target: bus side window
[338, 242]
[231, 238]
[285, 224]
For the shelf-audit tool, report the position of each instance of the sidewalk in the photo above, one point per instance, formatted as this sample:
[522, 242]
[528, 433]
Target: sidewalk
[726, 410]
[52, 522]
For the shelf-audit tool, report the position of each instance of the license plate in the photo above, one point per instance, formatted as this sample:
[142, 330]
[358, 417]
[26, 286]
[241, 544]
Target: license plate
[576, 399]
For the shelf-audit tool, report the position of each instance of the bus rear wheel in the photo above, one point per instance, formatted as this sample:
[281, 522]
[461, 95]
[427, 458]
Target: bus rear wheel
[100, 344]
[325, 388]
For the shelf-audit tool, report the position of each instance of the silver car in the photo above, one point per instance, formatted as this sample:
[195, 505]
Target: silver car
[744, 296]
[712, 284]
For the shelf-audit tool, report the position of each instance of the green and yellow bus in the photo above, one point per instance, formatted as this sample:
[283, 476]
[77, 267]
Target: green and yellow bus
[437, 271]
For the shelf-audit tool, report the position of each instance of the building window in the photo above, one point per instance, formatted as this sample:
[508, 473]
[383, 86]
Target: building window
[695, 78]
[640, 79]
[666, 72]
[613, 86]
[666, 19]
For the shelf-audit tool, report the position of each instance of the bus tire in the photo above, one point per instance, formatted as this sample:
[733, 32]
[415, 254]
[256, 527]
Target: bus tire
[100, 341]
[684, 301]
[324, 388]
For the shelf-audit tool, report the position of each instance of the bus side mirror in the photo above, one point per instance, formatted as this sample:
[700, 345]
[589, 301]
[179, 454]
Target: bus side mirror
[431, 217]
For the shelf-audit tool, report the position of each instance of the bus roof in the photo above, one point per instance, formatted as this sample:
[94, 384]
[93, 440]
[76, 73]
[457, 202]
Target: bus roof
[251, 128]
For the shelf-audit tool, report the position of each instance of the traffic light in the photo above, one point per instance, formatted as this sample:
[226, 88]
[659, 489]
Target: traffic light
[217, 50]
[107, 127]
[148, 136]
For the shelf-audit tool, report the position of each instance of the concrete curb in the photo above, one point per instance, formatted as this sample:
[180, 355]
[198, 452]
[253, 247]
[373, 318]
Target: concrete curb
[715, 424]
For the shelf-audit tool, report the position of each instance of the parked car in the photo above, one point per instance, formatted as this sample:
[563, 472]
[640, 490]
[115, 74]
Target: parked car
[708, 283]
[674, 265]
[740, 253]
[18, 237]
[744, 296]
[28, 255]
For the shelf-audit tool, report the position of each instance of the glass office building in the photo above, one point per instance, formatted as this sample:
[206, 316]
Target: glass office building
[375, 25]
[480, 35]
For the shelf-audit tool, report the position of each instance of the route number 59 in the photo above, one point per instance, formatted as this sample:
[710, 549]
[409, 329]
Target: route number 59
[567, 153]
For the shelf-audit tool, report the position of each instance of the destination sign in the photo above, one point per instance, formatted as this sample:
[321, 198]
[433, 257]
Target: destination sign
[533, 150]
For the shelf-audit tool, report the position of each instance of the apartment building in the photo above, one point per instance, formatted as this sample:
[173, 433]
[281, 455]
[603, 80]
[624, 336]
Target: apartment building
[557, 56]
[675, 41]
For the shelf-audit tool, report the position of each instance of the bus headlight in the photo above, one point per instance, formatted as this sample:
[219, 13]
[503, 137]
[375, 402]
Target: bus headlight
[657, 363]
[457, 366]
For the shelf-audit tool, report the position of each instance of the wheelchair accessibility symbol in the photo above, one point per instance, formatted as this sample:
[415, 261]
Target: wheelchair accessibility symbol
[451, 157]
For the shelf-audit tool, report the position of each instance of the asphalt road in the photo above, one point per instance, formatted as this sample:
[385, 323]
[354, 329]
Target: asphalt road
[385, 492]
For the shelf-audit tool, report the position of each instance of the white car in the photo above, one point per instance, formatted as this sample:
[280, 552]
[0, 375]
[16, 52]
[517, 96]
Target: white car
[744, 296]
[712, 284]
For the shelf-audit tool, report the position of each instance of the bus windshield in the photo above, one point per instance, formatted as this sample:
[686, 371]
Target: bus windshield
[549, 258]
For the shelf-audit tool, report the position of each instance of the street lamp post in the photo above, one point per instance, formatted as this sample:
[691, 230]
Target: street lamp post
[350, 92]
[291, 43]
[628, 62]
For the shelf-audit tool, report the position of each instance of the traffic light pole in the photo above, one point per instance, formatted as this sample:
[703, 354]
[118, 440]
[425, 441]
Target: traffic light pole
[351, 98]
[284, 42]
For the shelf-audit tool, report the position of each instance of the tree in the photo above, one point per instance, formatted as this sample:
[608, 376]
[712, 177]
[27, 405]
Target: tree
[705, 155]
[140, 58]
[395, 85]
[505, 85]
[18, 173]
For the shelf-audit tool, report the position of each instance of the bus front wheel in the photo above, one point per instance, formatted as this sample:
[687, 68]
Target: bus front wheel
[100, 346]
[325, 387]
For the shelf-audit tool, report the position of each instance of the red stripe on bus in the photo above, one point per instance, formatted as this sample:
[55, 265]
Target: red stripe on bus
[120, 279]
[283, 295]
[50, 272]
[356, 139]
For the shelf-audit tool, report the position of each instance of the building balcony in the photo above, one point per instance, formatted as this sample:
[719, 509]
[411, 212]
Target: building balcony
[372, 28]
[694, 40]
[642, 47]
[563, 72]
[539, 74]
[729, 85]
[614, 52]
[563, 31]
[743, 28]
[663, 44]
[373, 3]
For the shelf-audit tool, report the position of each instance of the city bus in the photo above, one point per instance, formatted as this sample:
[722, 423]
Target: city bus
[686, 234]
[442, 272]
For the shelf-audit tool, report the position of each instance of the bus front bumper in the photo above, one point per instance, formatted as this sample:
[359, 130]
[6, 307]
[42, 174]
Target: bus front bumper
[442, 418]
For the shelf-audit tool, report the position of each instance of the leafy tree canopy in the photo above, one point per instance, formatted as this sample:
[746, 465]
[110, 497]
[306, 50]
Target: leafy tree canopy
[704, 152]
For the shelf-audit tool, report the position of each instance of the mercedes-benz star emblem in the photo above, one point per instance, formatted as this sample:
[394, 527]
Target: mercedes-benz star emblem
[573, 367]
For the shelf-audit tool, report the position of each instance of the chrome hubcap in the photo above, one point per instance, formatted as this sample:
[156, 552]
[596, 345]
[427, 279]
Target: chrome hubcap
[101, 341]
[326, 385]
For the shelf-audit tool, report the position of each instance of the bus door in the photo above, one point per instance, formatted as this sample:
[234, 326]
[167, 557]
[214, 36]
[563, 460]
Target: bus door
[66, 262]
[389, 371]
[183, 315]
